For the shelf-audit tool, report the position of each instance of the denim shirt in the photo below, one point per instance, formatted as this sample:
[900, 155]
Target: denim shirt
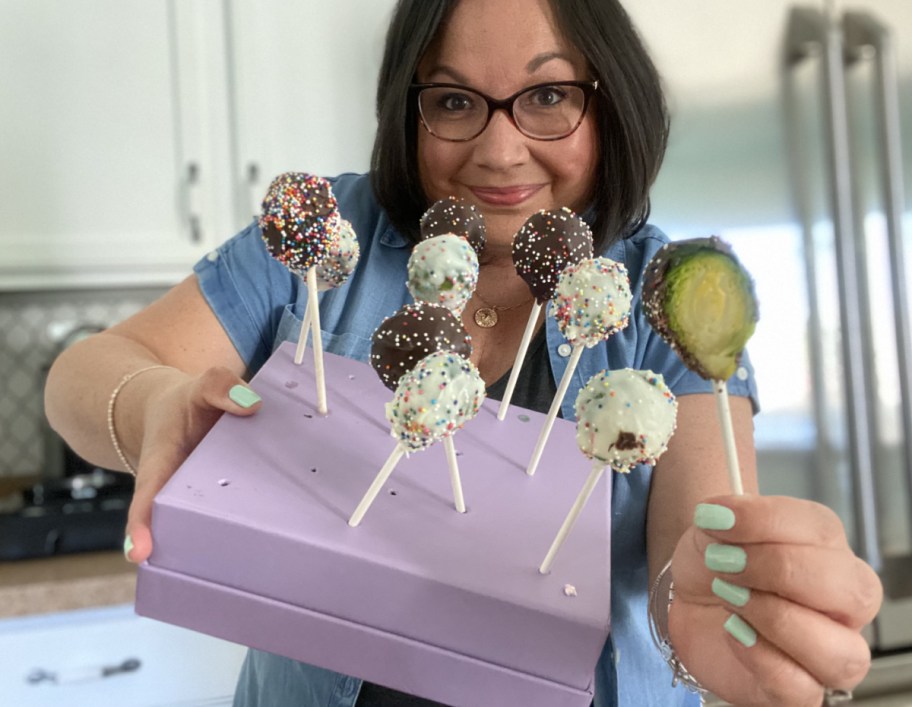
[261, 304]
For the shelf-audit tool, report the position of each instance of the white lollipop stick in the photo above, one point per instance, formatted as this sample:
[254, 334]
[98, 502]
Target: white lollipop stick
[305, 330]
[377, 484]
[555, 408]
[314, 308]
[454, 473]
[518, 361]
[598, 468]
[728, 437]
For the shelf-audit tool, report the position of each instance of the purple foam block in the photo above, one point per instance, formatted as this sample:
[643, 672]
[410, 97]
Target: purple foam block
[252, 544]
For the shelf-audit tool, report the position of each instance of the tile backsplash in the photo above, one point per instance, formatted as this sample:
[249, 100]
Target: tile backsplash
[34, 326]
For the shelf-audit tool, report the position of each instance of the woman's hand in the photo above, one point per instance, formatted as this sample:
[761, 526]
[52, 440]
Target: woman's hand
[176, 420]
[783, 568]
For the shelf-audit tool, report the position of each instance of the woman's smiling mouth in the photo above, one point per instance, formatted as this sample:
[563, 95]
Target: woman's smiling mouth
[505, 196]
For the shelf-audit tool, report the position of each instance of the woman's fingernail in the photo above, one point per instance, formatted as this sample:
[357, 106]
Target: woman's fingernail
[741, 630]
[243, 396]
[128, 547]
[725, 558]
[733, 594]
[711, 516]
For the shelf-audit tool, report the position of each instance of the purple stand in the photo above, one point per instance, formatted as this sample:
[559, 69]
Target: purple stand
[252, 545]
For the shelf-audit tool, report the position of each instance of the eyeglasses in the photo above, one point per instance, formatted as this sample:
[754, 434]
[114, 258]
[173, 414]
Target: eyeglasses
[545, 111]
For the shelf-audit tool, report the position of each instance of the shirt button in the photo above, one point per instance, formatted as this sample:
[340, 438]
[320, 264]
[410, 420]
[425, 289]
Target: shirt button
[742, 373]
[212, 256]
[565, 350]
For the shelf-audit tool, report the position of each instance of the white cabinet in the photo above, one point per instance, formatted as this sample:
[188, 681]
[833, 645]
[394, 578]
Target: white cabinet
[136, 136]
[113, 155]
[72, 659]
[305, 81]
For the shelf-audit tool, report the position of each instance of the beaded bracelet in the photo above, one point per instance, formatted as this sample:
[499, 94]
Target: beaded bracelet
[660, 597]
[111, 431]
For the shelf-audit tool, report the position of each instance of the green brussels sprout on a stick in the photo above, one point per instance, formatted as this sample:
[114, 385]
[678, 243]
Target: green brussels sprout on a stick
[701, 300]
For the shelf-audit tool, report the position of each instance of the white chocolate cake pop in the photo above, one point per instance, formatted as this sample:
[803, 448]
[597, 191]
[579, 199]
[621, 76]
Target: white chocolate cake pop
[625, 417]
[434, 399]
[341, 257]
[443, 270]
[592, 300]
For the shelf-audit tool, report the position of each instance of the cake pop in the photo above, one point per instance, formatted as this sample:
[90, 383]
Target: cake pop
[624, 418]
[456, 216]
[547, 243]
[331, 272]
[297, 219]
[433, 400]
[298, 222]
[592, 303]
[700, 299]
[443, 270]
[412, 333]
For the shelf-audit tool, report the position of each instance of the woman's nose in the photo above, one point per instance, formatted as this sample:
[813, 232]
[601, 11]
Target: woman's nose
[501, 145]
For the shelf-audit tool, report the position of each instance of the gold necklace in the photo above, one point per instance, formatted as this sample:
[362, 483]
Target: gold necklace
[486, 316]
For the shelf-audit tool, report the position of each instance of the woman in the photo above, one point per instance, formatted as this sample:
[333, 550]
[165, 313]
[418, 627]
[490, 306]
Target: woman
[769, 599]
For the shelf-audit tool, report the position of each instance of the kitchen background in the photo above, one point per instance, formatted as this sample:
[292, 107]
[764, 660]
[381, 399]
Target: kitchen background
[135, 137]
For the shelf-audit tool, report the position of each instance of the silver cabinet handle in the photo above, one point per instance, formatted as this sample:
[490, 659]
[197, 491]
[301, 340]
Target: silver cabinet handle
[192, 205]
[253, 188]
[811, 33]
[864, 31]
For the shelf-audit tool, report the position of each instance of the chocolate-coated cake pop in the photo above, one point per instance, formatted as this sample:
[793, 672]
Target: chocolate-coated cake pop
[298, 215]
[457, 216]
[412, 333]
[547, 242]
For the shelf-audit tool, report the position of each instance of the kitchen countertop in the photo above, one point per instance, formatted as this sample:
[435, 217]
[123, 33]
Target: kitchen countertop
[65, 583]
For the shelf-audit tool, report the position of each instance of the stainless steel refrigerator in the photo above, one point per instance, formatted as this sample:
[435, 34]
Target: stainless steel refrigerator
[792, 139]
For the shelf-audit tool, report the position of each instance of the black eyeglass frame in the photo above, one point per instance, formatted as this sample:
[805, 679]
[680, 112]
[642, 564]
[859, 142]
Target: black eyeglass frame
[506, 105]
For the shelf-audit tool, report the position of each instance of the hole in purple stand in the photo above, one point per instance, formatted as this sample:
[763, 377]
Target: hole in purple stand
[392, 493]
[459, 454]
[291, 384]
[223, 482]
[313, 470]
[523, 418]
[307, 415]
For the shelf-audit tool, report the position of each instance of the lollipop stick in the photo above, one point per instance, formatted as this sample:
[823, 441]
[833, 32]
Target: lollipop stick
[728, 437]
[597, 468]
[454, 473]
[314, 309]
[520, 357]
[377, 484]
[305, 330]
[555, 408]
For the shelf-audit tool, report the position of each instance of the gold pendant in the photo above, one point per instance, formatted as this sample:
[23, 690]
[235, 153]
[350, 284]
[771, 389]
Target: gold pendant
[485, 317]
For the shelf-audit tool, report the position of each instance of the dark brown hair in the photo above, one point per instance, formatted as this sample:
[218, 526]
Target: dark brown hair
[630, 113]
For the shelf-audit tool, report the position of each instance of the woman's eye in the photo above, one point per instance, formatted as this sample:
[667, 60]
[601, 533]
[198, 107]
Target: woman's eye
[546, 96]
[456, 102]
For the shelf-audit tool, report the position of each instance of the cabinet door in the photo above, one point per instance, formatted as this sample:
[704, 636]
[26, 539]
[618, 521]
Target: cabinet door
[305, 78]
[110, 656]
[101, 179]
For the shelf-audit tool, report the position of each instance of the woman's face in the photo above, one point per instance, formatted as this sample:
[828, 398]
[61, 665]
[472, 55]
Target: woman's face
[500, 47]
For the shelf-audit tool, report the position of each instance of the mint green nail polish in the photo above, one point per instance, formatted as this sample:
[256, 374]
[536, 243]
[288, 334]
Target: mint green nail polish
[725, 558]
[128, 546]
[711, 516]
[741, 630]
[733, 594]
[243, 396]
